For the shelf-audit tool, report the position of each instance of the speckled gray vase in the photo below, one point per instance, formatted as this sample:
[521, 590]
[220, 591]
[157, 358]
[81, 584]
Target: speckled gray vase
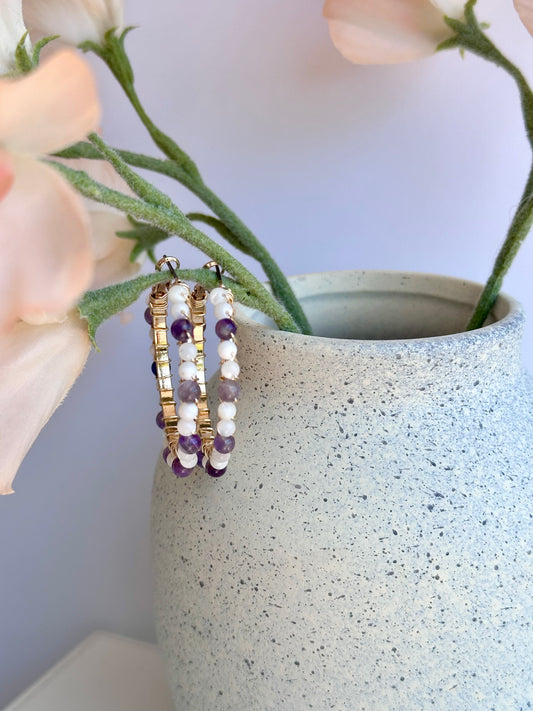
[370, 547]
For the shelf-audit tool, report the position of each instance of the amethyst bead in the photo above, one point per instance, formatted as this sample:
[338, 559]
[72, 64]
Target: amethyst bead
[166, 452]
[160, 420]
[148, 317]
[224, 445]
[190, 444]
[201, 459]
[225, 328]
[181, 329]
[210, 469]
[179, 470]
[189, 391]
[154, 368]
[229, 390]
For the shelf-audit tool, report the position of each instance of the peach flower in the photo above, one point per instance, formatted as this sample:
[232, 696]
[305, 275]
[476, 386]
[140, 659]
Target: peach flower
[45, 247]
[525, 10]
[389, 31]
[74, 20]
[51, 248]
[41, 362]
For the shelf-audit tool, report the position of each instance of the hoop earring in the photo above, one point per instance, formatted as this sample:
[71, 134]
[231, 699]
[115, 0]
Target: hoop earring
[191, 439]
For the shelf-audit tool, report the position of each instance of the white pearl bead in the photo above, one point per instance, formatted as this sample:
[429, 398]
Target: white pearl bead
[180, 310]
[230, 369]
[227, 350]
[220, 461]
[187, 351]
[152, 350]
[187, 370]
[188, 460]
[188, 410]
[178, 292]
[219, 295]
[226, 428]
[224, 311]
[227, 410]
[186, 427]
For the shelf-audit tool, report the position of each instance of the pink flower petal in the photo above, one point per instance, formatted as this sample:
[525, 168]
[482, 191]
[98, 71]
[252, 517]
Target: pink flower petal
[75, 20]
[525, 10]
[113, 263]
[51, 107]
[7, 175]
[385, 31]
[38, 365]
[45, 250]
[105, 221]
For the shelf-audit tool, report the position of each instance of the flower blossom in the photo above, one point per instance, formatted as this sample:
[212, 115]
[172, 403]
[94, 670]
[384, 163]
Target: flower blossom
[51, 248]
[75, 21]
[389, 31]
[525, 10]
[45, 245]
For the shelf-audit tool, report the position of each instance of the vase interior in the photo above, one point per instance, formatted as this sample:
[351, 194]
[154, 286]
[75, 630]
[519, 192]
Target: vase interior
[386, 306]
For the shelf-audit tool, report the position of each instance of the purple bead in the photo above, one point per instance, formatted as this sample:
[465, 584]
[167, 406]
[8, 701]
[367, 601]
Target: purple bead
[181, 329]
[148, 317]
[179, 470]
[224, 445]
[210, 469]
[154, 368]
[190, 444]
[160, 420]
[225, 328]
[189, 391]
[201, 459]
[229, 390]
[166, 452]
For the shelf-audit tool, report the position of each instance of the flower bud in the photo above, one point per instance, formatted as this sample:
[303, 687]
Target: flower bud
[75, 21]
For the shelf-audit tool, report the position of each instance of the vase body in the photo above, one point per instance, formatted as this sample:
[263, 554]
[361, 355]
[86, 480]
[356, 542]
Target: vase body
[370, 546]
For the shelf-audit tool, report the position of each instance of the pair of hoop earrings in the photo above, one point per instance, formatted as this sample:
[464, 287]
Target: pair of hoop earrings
[191, 439]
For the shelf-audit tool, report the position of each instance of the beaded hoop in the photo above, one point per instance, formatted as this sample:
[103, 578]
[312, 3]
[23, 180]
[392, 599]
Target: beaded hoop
[190, 437]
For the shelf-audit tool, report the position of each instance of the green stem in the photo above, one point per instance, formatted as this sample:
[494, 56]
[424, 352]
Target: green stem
[518, 231]
[280, 286]
[173, 221]
[470, 36]
[113, 53]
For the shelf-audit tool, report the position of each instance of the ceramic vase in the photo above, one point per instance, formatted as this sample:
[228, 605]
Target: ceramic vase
[370, 546]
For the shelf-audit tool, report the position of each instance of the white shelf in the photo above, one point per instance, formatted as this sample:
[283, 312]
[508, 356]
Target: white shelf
[104, 673]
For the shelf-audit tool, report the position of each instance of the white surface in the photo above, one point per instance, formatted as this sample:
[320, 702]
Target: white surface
[104, 673]
[413, 167]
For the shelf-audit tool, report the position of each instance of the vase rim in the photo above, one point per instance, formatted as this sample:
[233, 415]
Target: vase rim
[507, 312]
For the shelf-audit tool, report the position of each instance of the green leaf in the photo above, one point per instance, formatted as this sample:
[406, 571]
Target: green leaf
[23, 63]
[99, 305]
[41, 44]
[222, 230]
[146, 237]
[470, 16]
[450, 43]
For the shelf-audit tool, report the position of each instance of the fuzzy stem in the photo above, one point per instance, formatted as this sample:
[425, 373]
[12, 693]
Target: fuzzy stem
[173, 221]
[113, 53]
[470, 36]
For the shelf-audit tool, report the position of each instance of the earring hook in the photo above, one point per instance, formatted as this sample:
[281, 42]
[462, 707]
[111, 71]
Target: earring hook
[168, 261]
[218, 269]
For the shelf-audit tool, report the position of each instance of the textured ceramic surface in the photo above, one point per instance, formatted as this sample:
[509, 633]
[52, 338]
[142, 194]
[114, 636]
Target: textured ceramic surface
[370, 547]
